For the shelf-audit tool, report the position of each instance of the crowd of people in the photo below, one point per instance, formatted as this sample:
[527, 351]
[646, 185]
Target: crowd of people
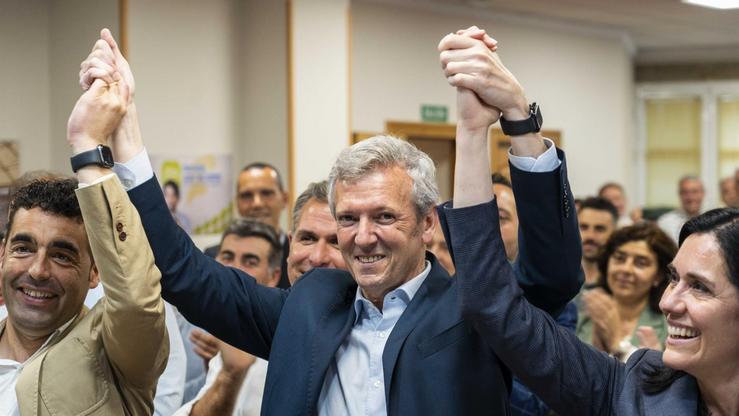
[513, 298]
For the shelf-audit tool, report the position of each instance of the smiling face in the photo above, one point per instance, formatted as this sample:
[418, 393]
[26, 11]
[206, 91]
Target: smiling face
[314, 242]
[632, 272]
[250, 255]
[259, 196]
[691, 196]
[702, 310]
[47, 269]
[380, 235]
[596, 226]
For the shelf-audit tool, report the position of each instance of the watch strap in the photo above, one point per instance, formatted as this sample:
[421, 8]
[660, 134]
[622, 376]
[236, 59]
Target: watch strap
[100, 156]
[519, 127]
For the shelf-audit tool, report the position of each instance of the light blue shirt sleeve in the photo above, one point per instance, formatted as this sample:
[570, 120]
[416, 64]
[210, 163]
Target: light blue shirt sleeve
[134, 172]
[546, 162]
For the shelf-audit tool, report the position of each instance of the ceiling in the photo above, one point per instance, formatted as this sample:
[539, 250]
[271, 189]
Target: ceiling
[657, 31]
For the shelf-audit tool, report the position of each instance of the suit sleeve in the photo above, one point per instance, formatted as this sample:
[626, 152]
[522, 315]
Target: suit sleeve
[570, 376]
[548, 265]
[133, 321]
[549, 250]
[222, 300]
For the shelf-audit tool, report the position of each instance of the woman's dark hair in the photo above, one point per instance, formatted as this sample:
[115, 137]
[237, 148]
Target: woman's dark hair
[723, 223]
[175, 188]
[662, 246]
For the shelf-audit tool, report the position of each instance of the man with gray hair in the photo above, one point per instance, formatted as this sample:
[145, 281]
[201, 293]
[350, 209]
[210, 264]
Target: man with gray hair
[388, 336]
[691, 193]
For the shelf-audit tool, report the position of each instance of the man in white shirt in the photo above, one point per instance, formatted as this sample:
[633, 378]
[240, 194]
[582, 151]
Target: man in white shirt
[235, 380]
[691, 193]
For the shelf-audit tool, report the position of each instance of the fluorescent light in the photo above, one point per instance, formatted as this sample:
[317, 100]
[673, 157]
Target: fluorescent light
[715, 4]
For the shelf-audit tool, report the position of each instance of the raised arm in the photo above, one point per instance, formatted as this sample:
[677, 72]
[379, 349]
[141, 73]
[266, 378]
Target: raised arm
[133, 328]
[223, 300]
[548, 266]
[547, 358]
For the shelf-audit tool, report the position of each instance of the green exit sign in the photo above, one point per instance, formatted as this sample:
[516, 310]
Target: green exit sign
[434, 113]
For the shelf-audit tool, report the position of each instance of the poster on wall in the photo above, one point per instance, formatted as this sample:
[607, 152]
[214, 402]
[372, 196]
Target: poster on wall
[9, 169]
[198, 190]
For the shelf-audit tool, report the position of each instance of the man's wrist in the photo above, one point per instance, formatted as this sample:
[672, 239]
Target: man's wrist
[82, 143]
[519, 111]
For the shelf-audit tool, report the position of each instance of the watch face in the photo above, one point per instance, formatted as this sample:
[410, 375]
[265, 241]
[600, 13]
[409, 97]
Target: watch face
[106, 155]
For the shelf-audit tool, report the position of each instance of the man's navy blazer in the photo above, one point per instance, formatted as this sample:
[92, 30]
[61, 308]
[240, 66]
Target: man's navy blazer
[434, 363]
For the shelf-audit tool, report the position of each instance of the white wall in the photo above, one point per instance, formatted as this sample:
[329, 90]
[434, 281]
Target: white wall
[320, 77]
[74, 27]
[181, 53]
[24, 80]
[41, 46]
[583, 82]
[211, 77]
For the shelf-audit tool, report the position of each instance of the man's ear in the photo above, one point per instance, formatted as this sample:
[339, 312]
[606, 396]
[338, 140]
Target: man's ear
[429, 223]
[2, 253]
[274, 280]
[94, 276]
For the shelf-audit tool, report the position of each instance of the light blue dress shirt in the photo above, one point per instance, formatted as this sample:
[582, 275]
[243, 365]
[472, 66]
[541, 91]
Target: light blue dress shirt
[355, 382]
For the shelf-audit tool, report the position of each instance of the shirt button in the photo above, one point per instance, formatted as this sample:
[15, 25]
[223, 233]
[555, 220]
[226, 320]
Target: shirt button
[122, 236]
[377, 384]
[119, 227]
[382, 335]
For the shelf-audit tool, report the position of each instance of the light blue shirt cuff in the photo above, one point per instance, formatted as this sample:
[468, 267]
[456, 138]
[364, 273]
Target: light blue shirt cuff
[546, 162]
[134, 172]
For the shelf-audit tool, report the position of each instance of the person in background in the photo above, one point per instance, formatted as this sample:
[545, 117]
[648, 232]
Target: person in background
[261, 196]
[508, 218]
[597, 220]
[728, 189]
[439, 247]
[235, 380]
[172, 197]
[616, 195]
[691, 193]
[623, 313]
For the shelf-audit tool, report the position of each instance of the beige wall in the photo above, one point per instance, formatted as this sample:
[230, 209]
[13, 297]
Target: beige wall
[211, 77]
[42, 44]
[24, 80]
[74, 27]
[582, 81]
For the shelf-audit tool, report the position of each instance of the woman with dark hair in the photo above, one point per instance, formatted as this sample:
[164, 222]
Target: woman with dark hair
[623, 313]
[698, 373]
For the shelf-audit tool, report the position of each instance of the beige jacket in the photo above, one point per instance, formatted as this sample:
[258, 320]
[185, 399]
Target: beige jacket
[108, 361]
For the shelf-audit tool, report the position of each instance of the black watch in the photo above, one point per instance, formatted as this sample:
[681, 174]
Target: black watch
[101, 156]
[519, 127]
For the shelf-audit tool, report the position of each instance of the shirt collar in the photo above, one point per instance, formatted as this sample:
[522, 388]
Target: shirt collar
[406, 291]
[46, 343]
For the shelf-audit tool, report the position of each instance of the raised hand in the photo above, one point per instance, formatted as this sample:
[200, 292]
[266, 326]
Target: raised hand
[97, 114]
[235, 361]
[104, 59]
[470, 63]
[648, 338]
[204, 344]
[601, 308]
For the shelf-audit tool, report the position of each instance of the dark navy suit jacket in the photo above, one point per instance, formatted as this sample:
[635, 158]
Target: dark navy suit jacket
[572, 377]
[434, 363]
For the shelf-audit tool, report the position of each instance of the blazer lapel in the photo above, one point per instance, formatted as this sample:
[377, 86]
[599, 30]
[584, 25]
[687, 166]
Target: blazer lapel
[331, 331]
[420, 306]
